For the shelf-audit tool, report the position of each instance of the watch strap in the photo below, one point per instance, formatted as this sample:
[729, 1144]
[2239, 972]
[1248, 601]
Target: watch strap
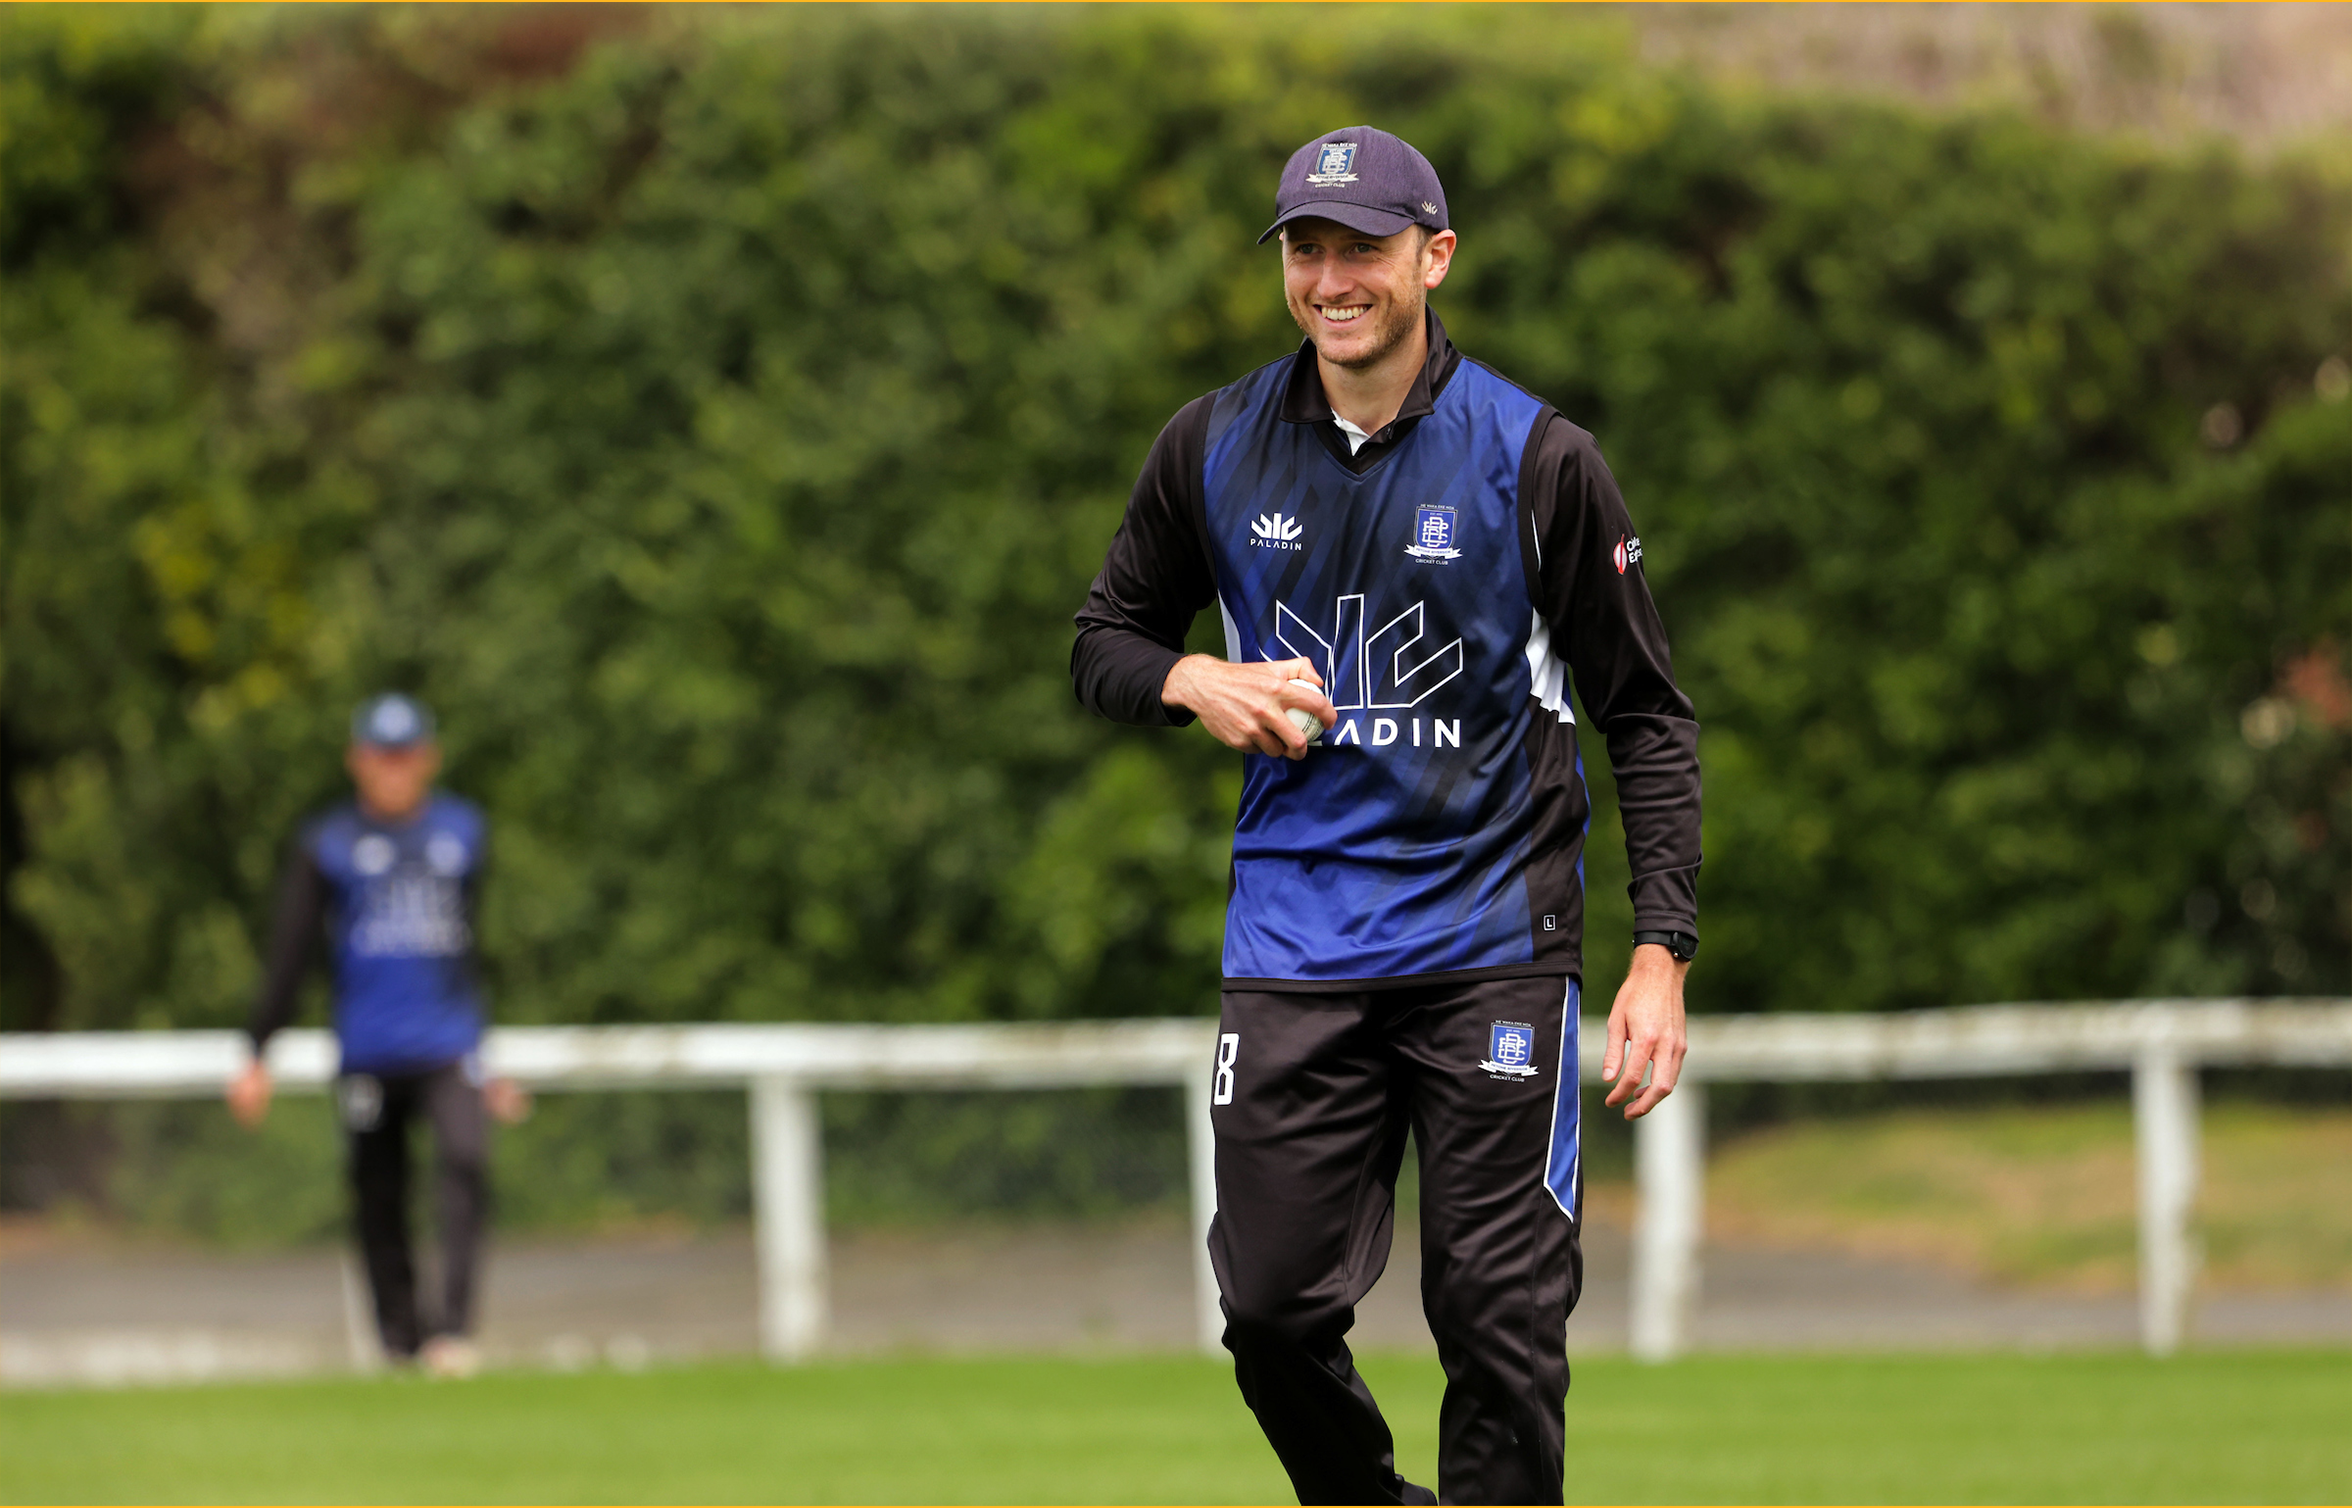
[1683, 945]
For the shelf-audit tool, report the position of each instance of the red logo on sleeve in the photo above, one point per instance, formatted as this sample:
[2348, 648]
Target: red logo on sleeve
[1628, 552]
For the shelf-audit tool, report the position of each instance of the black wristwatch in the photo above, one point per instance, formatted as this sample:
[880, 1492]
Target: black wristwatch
[1682, 945]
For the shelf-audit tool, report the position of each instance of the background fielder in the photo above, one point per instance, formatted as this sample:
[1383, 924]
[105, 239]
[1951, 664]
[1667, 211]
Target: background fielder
[1440, 553]
[387, 882]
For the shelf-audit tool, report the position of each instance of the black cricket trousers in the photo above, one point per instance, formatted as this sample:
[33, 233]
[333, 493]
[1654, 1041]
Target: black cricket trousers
[377, 1112]
[1313, 1096]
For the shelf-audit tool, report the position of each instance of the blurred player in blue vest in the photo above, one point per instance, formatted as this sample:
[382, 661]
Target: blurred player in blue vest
[387, 883]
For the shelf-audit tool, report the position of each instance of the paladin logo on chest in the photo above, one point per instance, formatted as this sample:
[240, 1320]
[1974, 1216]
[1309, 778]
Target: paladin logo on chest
[1274, 532]
[1433, 534]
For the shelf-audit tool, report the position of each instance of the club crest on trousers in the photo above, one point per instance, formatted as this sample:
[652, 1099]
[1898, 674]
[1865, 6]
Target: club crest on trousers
[1510, 1050]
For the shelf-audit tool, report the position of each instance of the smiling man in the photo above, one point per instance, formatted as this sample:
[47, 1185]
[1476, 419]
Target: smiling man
[1420, 557]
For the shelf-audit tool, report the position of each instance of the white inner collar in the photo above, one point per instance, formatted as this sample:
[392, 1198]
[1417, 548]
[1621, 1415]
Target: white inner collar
[1355, 436]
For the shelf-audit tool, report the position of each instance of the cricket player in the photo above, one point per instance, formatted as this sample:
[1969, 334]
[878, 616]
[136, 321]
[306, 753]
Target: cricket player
[1413, 558]
[388, 881]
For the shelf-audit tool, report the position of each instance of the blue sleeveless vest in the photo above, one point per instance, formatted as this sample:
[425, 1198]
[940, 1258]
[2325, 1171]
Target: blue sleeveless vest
[402, 934]
[1401, 845]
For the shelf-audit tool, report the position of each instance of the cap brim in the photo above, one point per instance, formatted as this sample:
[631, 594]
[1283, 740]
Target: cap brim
[1372, 222]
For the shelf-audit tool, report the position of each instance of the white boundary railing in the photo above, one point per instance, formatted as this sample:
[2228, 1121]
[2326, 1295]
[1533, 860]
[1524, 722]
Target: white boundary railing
[2161, 1043]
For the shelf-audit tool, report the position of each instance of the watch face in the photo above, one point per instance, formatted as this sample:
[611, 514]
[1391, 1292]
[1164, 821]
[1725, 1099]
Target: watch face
[1682, 945]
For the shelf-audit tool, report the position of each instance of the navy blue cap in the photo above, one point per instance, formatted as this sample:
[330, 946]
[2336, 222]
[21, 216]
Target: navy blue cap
[391, 721]
[1364, 179]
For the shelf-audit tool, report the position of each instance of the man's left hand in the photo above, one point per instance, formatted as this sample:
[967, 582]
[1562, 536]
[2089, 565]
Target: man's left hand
[1646, 1031]
[507, 1100]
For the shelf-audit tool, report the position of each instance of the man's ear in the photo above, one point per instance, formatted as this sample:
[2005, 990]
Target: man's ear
[1437, 258]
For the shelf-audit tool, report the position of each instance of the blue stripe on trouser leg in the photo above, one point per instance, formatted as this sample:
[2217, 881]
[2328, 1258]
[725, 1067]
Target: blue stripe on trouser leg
[1565, 1164]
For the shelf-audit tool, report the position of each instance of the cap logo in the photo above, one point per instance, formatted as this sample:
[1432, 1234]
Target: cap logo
[1428, 208]
[1335, 163]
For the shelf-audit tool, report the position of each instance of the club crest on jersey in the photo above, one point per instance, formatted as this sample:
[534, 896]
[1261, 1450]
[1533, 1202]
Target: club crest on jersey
[1628, 552]
[445, 854]
[1433, 534]
[1336, 163]
[1274, 532]
[1510, 1050]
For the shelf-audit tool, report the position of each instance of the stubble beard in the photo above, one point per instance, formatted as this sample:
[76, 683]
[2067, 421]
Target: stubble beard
[1398, 321]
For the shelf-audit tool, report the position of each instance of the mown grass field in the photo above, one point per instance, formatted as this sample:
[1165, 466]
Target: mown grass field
[2234, 1427]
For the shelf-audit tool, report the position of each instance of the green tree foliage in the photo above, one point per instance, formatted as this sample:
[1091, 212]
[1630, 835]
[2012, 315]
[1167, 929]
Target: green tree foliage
[719, 417]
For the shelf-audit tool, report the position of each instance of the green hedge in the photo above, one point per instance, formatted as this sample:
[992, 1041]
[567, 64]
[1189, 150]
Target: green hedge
[719, 417]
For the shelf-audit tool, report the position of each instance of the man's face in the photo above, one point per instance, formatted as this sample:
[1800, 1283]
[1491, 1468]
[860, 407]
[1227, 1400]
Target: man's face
[1358, 297]
[393, 782]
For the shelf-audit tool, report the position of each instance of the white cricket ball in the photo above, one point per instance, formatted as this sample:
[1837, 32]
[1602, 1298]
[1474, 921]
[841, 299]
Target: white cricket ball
[1307, 722]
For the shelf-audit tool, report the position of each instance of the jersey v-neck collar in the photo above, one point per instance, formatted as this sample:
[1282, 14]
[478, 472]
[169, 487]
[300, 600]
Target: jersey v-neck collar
[1304, 401]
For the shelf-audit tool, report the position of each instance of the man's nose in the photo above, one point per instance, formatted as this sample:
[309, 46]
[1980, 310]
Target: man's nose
[1333, 284]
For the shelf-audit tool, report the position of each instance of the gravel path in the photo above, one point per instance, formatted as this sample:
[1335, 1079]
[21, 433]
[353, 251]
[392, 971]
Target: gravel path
[80, 1312]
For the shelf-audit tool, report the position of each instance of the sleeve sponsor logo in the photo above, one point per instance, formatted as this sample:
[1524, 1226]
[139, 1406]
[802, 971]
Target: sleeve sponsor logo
[1628, 552]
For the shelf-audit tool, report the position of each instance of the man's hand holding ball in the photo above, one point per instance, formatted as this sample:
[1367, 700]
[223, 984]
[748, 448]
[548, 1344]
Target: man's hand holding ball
[1274, 707]
[1305, 721]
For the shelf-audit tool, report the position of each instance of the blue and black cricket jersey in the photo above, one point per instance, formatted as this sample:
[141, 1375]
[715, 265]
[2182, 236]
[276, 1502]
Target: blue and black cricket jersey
[394, 903]
[1450, 580]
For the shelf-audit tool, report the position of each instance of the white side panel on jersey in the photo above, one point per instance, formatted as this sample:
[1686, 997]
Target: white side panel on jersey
[1232, 630]
[1549, 671]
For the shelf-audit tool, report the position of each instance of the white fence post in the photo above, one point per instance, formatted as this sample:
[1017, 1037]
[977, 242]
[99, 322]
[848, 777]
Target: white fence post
[1669, 1152]
[1201, 1146]
[788, 1211]
[2164, 1125]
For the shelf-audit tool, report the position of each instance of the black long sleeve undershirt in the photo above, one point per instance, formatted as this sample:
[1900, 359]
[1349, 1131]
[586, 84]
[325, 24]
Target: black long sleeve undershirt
[1606, 626]
[1154, 582]
[295, 937]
